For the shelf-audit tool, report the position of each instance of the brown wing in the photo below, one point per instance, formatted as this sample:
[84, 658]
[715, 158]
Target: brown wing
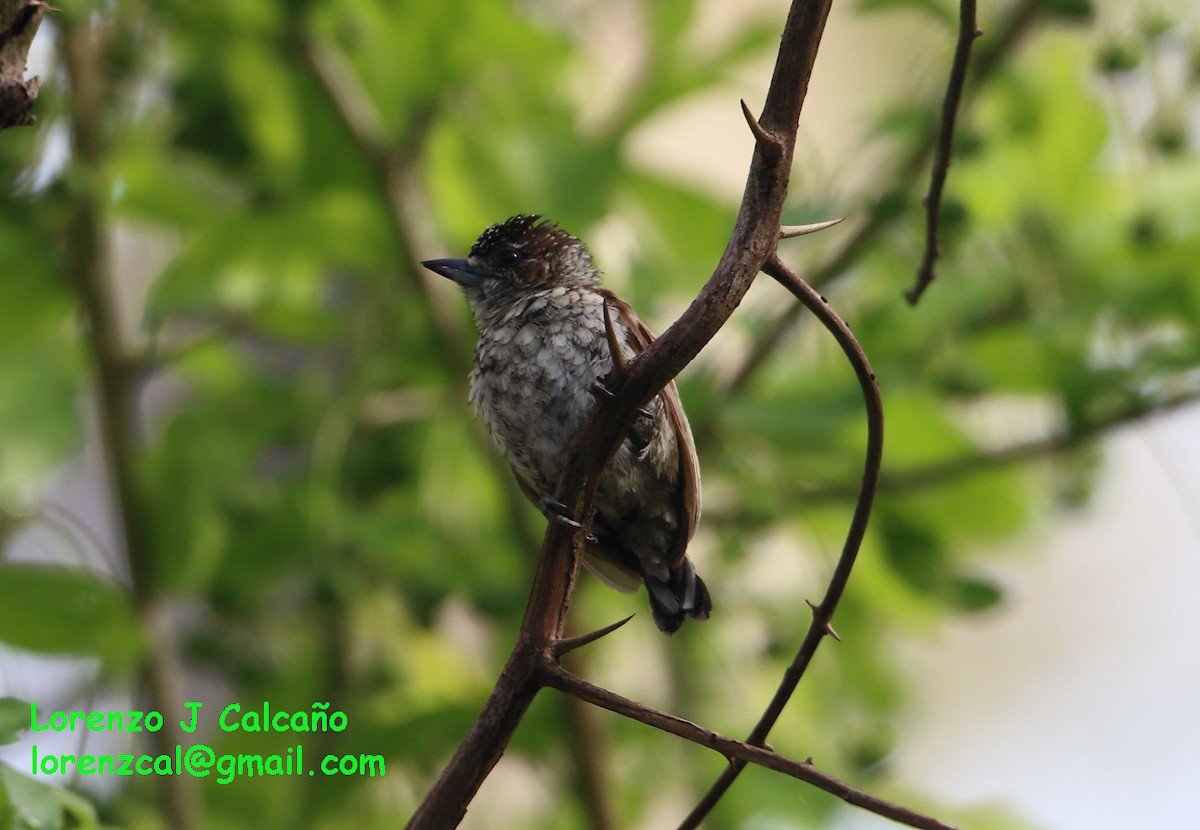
[640, 338]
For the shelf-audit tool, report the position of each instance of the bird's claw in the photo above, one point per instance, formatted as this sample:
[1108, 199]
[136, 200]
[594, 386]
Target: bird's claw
[556, 511]
[598, 389]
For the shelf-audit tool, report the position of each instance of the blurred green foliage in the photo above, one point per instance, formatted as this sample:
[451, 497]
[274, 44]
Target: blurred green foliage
[317, 493]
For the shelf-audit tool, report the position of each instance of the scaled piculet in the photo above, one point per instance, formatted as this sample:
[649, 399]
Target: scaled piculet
[542, 355]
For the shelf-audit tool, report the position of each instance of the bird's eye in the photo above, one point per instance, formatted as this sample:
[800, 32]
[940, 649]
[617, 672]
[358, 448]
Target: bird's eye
[508, 257]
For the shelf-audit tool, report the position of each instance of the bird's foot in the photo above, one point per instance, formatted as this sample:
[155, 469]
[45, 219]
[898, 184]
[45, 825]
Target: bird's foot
[598, 389]
[556, 512]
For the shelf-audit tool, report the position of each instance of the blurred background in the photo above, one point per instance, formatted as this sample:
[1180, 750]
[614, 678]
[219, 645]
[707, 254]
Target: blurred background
[237, 462]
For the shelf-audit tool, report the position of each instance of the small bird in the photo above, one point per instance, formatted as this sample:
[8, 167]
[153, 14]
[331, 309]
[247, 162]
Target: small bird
[548, 337]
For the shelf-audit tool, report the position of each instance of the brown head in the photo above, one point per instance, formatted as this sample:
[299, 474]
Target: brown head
[516, 257]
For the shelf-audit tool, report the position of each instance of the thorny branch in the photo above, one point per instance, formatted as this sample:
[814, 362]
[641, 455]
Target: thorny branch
[735, 751]
[967, 32]
[752, 241]
[533, 662]
[391, 162]
[822, 614]
[1002, 40]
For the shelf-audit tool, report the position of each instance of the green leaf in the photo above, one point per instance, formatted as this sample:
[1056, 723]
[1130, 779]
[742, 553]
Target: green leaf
[920, 432]
[1120, 54]
[1009, 360]
[14, 718]
[38, 418]
[915, 550]
[33, 805]
[973, 593]
[62, 610]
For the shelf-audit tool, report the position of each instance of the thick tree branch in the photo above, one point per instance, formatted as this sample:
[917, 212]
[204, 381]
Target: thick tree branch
[967, 32]
[822, 614]
[751, 244]
[735, 751]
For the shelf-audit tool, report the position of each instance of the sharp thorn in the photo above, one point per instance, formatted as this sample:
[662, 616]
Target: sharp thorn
[764, 138]
[566, 521]
[556, 512]
[792, 231]
[598, 388]
[828, 627]
[561, 647]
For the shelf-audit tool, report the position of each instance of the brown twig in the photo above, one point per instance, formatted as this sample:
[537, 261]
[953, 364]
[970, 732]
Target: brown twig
[391, 163]
[967, 32]
[735, 751]
[821, 625]
[751, 244]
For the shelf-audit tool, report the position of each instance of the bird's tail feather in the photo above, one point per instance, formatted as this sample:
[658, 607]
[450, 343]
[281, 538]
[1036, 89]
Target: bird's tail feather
[683, 594]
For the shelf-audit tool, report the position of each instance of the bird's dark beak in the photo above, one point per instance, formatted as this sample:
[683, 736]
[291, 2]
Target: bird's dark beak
[459, 270]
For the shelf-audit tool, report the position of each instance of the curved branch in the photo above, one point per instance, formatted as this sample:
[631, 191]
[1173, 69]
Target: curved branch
[822, 614]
